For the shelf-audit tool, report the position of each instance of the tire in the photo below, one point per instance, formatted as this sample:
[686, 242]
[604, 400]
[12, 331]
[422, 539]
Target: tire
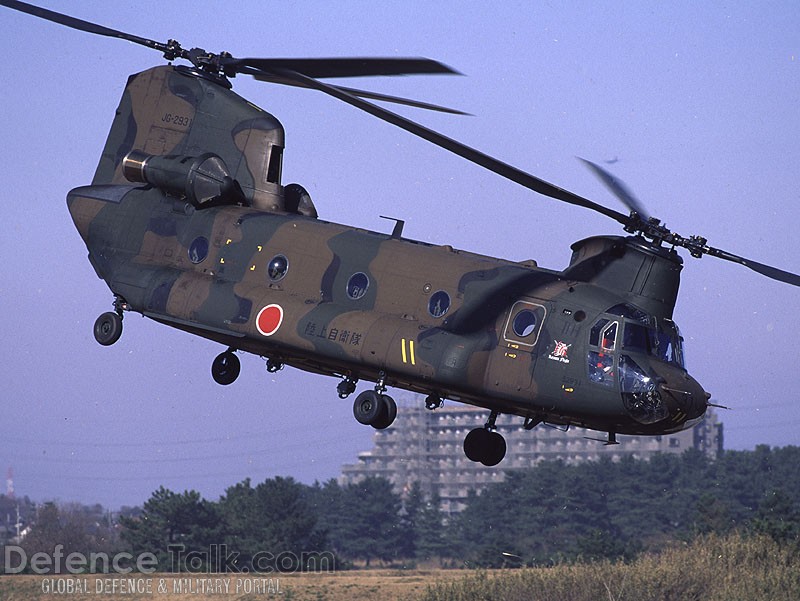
[108, 328]
[475, 443]
[495, 449]
[225, 368]
[387, 415]
[367, 407]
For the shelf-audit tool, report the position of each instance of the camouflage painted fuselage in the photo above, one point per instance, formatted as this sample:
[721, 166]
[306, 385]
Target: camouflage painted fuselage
[258, 276]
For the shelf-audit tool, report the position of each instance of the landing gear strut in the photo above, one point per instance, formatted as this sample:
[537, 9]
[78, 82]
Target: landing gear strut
[373, 408]
[225, 368]
[485, 445]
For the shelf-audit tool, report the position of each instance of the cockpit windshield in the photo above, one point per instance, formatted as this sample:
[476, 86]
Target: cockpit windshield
[644, 333]
[669, 345]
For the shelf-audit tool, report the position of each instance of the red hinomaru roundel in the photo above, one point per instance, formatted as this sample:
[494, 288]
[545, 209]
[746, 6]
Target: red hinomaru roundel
[269, 319]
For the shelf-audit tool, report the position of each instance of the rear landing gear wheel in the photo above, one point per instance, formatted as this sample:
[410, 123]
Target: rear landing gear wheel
[225, 368]
[367, 407]
[108, 328]
[387, 415]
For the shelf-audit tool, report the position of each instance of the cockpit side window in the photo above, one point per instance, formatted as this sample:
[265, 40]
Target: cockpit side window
[609, 339]
[601, 362]
[604, 334]
[594, 337]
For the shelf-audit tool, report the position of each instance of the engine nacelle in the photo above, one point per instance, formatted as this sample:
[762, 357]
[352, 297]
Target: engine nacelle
[202, 180]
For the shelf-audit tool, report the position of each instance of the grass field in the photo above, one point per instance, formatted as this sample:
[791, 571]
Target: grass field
[733, 568]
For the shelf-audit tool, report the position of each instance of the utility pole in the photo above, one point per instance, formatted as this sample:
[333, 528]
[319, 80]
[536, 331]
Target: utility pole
[10, 483]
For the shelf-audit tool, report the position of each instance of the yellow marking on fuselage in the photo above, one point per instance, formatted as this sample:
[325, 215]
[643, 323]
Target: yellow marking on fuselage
[409, 354]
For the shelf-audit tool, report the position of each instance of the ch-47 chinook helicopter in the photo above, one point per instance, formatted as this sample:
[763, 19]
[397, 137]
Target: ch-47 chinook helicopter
[189, 224]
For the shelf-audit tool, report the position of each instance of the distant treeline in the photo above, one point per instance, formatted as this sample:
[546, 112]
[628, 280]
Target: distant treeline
[541, 516]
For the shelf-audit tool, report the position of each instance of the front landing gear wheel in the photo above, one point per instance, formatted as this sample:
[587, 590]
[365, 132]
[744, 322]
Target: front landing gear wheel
[474, 444]
[484, 446]
[108, 328]
[225, 368]
[496, 451]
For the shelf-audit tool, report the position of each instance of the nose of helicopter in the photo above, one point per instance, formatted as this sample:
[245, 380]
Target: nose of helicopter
[685, 397]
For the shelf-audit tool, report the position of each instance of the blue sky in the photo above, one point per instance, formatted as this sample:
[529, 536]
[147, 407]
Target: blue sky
[699, 104]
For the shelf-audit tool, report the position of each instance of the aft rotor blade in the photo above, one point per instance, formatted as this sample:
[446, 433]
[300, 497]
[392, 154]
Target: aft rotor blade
[400, 100]
[492, 164]
[260, 76]
[771, 272]
[618, 189]
[80, 24]
[321, 68]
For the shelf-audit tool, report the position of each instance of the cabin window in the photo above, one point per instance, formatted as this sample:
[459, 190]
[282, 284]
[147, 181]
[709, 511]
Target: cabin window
[277, 268]
[525, 323]
[357, 285]
[274, 165]
[198, 250]
[439, 303]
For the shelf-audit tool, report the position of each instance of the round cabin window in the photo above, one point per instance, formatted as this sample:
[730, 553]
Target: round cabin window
[357, 285]
[439, 303]
[277, 267]
[198, 250]
[524, 323]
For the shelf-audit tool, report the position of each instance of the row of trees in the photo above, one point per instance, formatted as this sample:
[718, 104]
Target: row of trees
[549, 513]
[281, 524]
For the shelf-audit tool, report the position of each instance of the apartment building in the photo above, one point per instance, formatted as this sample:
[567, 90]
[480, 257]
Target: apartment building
[426, 446]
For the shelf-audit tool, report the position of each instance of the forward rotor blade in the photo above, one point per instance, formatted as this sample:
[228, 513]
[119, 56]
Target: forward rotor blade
[695, 244]
[618, 189]
[321, 68]
[767, 270]
[80, 24]
[260, 76]
[492, 164]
